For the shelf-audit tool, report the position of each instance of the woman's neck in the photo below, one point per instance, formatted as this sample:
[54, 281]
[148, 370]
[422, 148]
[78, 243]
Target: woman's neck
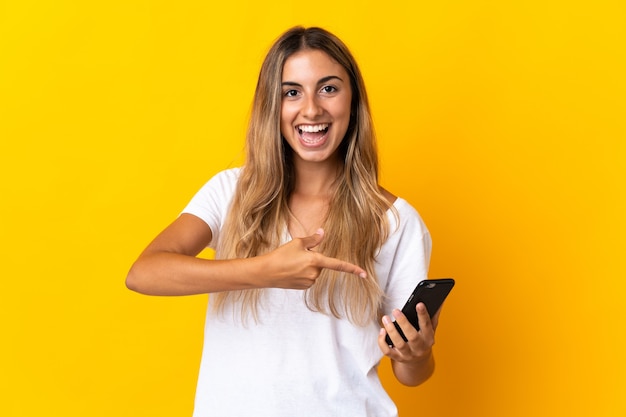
[316, 178]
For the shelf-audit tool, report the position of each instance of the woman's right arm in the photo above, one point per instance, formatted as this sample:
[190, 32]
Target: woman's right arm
[170, 266]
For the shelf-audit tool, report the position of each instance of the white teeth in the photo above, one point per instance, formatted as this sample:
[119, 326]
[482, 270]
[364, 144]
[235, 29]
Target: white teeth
[313, 128]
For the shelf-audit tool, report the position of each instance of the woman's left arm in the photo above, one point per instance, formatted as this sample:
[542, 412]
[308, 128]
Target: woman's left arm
[412, 361]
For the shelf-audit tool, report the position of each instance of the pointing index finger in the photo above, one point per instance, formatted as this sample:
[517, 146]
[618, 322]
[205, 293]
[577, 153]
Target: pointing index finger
[341, 266]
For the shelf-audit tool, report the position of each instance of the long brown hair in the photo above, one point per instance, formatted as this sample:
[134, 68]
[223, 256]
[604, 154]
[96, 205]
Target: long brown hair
[356, 223]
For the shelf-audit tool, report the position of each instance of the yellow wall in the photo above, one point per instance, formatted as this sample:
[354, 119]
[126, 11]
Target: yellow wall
[503, 122]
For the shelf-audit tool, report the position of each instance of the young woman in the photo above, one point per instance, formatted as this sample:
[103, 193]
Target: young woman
[312, 255]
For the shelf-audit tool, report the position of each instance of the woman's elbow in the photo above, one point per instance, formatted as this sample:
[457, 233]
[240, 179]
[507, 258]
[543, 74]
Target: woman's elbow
[136, 281]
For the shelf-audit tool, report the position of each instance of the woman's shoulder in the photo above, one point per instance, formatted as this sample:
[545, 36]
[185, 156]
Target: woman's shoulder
[403, 213]
[399, 204]
[388, 195]
[225, 179]
[229, 174]
[219, 186]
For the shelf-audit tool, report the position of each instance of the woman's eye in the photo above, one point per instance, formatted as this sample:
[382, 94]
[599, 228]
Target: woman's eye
[328, 89]
[290, 93]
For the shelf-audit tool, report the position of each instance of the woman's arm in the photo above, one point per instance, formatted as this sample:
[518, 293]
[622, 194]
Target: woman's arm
[169, 266]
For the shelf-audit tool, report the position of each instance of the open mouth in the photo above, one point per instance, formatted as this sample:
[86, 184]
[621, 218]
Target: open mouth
[312, 134]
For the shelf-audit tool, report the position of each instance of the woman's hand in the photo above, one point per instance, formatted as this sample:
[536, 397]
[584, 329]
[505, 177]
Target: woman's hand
[412, 361]
[296, 265]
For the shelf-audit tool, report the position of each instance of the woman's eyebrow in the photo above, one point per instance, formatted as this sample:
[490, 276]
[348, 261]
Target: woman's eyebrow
[291, 84]
[321, 81]
[328, 78]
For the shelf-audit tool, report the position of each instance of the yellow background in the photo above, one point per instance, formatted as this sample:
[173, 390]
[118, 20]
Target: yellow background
[502, 122]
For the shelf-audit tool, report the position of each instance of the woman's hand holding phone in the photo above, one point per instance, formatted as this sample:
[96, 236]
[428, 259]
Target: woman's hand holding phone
[418, 343]
[412, 360]
[409, 338]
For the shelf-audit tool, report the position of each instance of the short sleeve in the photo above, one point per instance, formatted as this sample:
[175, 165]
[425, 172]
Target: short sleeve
[212, 201]
[405, 257]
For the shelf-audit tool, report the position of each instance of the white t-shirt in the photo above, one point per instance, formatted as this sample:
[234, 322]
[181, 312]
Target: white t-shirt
[293, 361]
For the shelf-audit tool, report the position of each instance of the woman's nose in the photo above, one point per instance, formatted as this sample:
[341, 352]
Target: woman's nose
[312, 107]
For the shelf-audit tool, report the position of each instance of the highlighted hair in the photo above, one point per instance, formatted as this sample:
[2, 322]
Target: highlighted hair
[356, 223]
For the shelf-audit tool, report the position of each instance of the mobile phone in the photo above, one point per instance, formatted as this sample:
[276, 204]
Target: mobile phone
[431, 292]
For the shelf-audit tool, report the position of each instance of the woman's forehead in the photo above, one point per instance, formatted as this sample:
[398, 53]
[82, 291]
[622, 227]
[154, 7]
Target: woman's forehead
[312, 64]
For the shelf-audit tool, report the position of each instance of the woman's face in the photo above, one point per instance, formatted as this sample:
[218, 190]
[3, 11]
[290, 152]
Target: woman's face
[316, 99]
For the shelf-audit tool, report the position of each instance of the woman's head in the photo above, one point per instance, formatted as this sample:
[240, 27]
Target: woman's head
[264, 138]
